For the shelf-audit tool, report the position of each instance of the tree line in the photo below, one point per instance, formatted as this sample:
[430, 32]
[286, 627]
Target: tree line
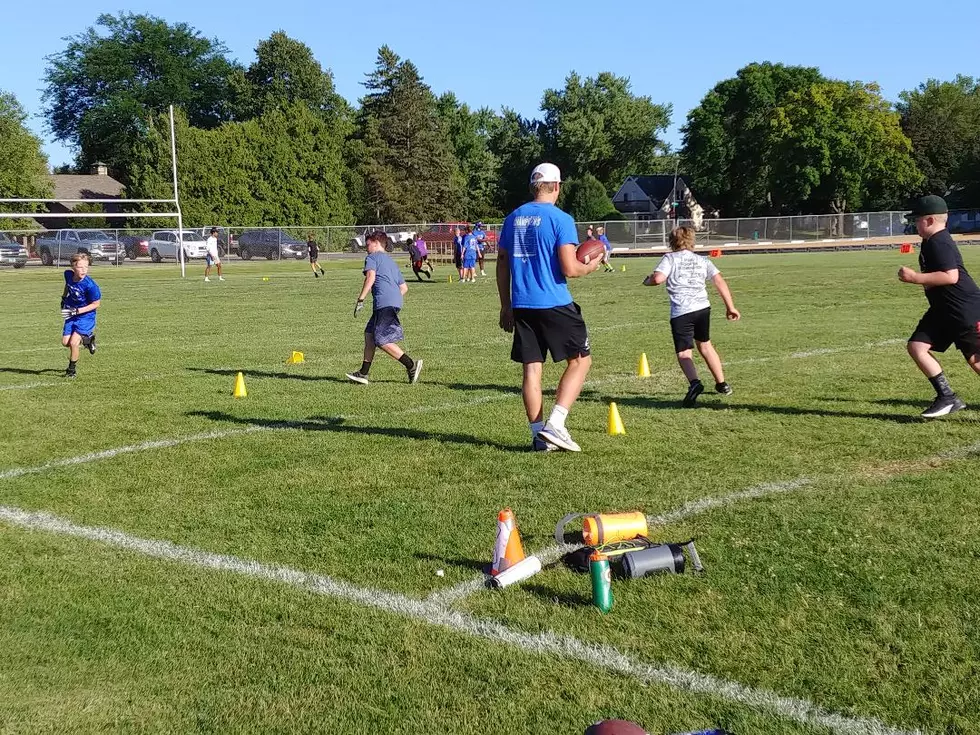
[274, 142]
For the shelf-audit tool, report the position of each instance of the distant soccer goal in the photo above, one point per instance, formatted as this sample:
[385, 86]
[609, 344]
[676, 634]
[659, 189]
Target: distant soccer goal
[65, 244]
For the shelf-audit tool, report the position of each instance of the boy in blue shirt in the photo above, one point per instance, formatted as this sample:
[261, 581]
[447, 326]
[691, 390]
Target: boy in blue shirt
[537, 255]
[458, 252]
[481, 243]
[601, 232]
[470, 255]
[383, 278]
[79, 301]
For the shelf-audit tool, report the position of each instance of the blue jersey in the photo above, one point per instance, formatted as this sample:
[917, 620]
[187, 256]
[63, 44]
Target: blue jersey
[470, 246]
[531, 236]
[481, 238]
[387, 279]
[605, 241]
[79, 293]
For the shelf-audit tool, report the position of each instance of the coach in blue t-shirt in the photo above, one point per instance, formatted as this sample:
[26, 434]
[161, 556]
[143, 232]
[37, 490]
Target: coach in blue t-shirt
[536, 255]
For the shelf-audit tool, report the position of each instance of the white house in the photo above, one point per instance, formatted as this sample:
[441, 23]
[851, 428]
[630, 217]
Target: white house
[650, 197]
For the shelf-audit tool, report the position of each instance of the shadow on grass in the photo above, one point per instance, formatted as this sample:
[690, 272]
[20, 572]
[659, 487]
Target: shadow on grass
[514, 390]
[337, 424]
[649, 402]
[567, 599]
[455, 561]
[24, 371]
[903, 402]
[269, 374]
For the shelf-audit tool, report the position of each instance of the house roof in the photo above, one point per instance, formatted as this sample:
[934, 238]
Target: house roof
[85, 186]
[658, 187]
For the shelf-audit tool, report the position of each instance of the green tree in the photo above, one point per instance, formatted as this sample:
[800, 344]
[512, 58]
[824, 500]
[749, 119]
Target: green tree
[101, 88]
[599, 127]
[478, 168]
[23, 165]
[727, 138]
[285, 73]
[89, 223]
[405, 162]
[585, 198]
[838, 147]
[516, 142]
[942, 119]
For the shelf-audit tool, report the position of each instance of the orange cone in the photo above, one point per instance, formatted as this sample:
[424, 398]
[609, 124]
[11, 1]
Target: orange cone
[508, 550]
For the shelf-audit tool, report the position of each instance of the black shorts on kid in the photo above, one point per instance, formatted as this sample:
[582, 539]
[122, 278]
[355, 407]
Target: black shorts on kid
[690, 328]
[939, 331]
[559, 330]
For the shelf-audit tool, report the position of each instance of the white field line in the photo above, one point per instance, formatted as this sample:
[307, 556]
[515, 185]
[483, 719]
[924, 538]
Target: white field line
[548, 643]
[110, 453]
[819, 352]
[28, 386]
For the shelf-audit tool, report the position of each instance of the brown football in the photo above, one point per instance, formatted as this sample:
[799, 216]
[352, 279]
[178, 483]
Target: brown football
[615, 727]
[590, 249]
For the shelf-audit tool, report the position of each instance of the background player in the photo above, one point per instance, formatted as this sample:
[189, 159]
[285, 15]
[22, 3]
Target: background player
[79, 301]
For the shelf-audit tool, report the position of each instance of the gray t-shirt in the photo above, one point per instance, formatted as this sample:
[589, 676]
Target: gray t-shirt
[686, 275]
[387, 278]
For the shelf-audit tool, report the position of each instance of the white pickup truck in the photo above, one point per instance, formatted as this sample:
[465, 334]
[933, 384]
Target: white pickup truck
[399, 238]
[60, 245]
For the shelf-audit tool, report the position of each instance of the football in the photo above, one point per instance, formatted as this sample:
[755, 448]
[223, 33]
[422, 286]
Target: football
[615, 727]
[591, 249]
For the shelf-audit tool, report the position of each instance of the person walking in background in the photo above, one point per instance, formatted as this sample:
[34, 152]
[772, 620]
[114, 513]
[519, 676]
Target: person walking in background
[314, 249]
[481, 242]
[458, 251]
[211, 258]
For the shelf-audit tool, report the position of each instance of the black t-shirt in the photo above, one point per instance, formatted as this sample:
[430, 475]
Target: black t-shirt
[961, 301]
[314, 248]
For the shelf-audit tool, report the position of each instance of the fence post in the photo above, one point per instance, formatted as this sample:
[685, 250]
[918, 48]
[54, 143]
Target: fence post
[737, 220]
[791, 229]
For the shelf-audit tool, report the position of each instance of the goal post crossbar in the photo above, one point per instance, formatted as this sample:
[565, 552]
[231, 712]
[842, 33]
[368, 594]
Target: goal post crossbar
[89, 201]
[73, 215]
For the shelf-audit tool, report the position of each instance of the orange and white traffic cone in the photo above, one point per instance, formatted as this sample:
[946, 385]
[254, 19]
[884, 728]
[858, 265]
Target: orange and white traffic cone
[508, 550]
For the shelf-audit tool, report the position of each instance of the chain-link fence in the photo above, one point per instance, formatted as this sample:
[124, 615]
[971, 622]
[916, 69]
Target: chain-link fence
[117, 245]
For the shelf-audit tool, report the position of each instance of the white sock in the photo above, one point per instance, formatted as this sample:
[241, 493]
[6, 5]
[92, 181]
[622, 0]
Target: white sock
[536, 426]
[558, 416]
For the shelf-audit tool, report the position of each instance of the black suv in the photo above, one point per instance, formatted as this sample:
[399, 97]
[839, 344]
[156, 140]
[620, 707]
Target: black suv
[270, 243]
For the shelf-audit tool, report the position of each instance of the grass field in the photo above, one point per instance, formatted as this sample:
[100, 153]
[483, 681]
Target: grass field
[306, 522]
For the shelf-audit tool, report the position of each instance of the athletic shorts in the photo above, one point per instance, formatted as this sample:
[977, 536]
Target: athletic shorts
[314, 257]
[687, 329]
[384, 326]
[84, 325]
[559, 330]
[469, 262]
[940, 331]
[458, 261]
[210, 260]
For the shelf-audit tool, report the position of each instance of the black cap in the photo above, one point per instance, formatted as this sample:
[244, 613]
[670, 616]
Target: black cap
[927, 205]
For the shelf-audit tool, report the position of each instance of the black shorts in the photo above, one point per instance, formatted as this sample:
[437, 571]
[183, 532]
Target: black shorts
[687, 329]
[939, 331]
[314, 257]
[560, 330]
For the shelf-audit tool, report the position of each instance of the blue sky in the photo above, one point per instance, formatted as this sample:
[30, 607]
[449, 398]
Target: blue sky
[509, 52]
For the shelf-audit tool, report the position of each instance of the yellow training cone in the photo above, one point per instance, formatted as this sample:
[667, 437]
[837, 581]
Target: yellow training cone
[240, 386]
[449, 279]
[624, 269]
[615, 423]
[296, 358]
[643, 370]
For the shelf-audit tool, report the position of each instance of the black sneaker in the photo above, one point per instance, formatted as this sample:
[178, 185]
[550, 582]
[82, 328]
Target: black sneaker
[358, 377]
[696, 389]
[724, 388]
[315, 274]
[90, 344]
[943, 406]
[70, 373]
[413, 374]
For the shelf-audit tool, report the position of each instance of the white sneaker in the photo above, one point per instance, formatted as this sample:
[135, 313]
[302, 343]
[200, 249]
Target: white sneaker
[221, 278]
[207, 280]
[483, 273]
[559, 438]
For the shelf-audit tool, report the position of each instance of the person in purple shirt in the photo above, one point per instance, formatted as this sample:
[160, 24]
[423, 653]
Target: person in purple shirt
[418, 252]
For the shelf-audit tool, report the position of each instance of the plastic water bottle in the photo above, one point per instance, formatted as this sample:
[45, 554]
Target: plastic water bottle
[602, 596]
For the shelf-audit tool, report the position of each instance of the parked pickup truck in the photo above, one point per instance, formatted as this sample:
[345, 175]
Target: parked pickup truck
[62, 244]
[12, 252]
[399, 239]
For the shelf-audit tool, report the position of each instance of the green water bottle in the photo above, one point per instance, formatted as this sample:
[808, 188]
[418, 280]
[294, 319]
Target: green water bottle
[602, 596]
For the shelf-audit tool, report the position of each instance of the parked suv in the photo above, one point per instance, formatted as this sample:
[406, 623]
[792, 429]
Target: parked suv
[12, 252]
[271, 244]
[163, 244]
[226, 241]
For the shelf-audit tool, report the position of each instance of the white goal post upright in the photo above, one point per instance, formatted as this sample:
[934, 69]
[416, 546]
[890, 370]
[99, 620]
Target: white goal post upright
[5, 214]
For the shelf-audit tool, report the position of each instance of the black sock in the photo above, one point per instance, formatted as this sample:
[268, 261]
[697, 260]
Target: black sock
[941, 385]
[696, 381]
[365, 368]
[407, 361]
[71, 364]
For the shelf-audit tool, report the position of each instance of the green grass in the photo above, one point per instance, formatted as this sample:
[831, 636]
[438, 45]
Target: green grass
[857, 593]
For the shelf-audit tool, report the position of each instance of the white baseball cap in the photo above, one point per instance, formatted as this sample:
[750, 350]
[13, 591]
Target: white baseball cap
[545, 173]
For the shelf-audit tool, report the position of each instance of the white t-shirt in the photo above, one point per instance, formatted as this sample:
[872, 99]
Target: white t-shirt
[686, 275]
[212, 246]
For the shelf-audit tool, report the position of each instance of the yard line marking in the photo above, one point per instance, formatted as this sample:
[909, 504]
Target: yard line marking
[27, 386]
[598, 655]
[109, 453]
[818, 352]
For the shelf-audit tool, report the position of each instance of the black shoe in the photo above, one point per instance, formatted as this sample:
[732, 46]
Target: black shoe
[696, 389]
[724, 388]
[91, 345]
[358, 377]
[315, 274]
[943, 406]
[413, 374]
[70, 373]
